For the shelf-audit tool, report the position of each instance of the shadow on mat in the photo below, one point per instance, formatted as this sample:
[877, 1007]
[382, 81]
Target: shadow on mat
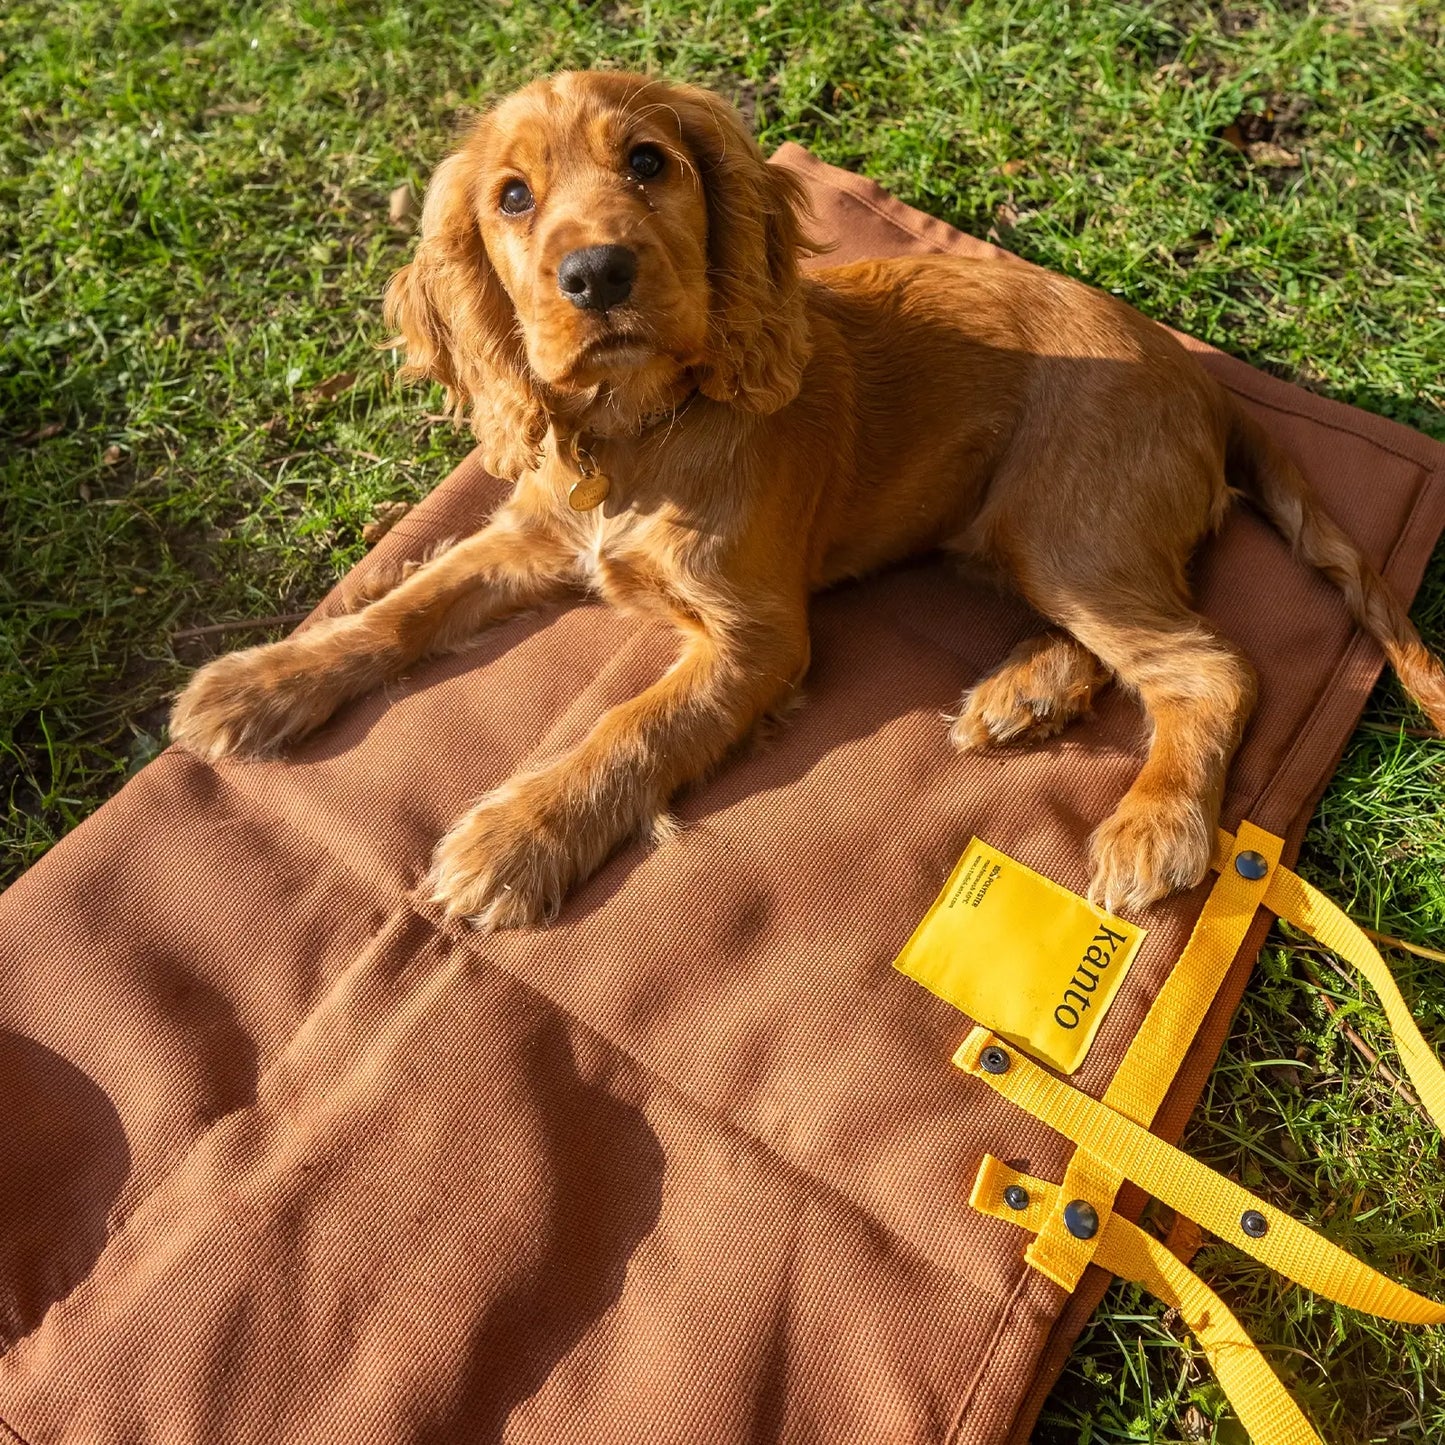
[604, 1167]
[63, 1162]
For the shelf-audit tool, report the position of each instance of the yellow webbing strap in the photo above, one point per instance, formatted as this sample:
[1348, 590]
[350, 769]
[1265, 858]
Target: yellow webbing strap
[1148, 1069]
[1057, 1253]
[1114, 1145]
[1261, 1402]
[1309, 910]
[1194, 1189]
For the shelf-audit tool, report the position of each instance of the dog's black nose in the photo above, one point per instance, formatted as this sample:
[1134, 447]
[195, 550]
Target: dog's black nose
[597, 277]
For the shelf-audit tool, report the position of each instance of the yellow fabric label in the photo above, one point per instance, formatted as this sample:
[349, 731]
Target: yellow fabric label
[1019, 954]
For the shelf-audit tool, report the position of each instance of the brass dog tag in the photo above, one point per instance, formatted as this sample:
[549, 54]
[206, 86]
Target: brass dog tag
[588, 492]
[592, 484]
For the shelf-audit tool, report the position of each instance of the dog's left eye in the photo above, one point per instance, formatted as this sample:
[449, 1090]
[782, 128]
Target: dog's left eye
[516, 198]
[644, 161]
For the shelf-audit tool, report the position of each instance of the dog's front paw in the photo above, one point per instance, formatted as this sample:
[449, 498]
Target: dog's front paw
[503, 866]
[250, 702]
[1147, 850]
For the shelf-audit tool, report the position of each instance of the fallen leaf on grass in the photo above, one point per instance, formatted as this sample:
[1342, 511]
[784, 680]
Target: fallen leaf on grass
[111, 456]
[386, 516]
[1267, 153]
[1266, 135]
[1012, 168]
[402, 205]
[332, 387]
[1184, 1240]
[1195, 1424]
[233, 107]
[44, 433]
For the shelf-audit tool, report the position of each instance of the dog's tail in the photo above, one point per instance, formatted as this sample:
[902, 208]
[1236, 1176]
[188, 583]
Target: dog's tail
[1272, 481]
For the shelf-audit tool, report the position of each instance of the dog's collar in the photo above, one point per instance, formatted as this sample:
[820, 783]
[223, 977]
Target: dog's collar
[593, 485]
[666, 413]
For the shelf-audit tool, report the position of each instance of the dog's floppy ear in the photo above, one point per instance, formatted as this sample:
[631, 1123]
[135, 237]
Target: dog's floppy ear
[758, 339]
[458, 327]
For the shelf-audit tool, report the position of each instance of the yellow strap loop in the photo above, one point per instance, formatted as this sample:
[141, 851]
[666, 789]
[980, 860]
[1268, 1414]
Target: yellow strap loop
[1148, 1069]
[1309, 910]
[1174, 1018]
[1194, 1189]
[1054, 1251]
[1113, 1145]
[1261, 1402]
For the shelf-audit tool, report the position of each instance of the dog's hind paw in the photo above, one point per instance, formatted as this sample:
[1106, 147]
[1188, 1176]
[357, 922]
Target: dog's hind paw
[1040, 688]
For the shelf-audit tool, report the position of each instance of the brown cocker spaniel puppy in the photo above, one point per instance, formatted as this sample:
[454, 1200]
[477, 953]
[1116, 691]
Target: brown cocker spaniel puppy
[607, 281]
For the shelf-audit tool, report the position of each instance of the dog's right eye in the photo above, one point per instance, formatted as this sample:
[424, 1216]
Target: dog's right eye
[645, 162]
[516, 198]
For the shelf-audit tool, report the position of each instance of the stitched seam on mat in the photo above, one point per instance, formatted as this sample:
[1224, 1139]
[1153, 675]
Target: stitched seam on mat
[1314, 720]
[991, 1356]
[705, 1111]
[406, 902]
[386, 894]
[1315, 717]
[1240, 389]
[791, 1169]
[383, 896]
[860, 190]
[10, 1429]
[934, 248]
[1243, 389]
[380, 891]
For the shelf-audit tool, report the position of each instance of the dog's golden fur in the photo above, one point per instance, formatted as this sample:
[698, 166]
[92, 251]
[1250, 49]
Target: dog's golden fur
[767, 434]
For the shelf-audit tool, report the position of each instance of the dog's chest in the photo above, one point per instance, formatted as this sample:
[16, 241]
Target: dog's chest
[590, 538]
[634, 563]
[639, 549]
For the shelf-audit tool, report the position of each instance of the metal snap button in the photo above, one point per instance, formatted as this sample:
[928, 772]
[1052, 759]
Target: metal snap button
[1250, 864]
[994, 1060]
[1016, 1197]
[1254, 1224]
[1081, 1219]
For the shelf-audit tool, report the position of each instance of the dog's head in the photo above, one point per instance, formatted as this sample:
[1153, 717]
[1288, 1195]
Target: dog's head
[602, 234]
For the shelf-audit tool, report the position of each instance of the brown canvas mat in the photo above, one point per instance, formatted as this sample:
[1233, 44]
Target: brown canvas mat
[281, 1158]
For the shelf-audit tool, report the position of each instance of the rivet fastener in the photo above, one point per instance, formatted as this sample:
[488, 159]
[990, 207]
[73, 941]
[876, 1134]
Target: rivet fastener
[994, 1060]
[1251, 865]
[1016, 1197]
[1081, 1219]
[1254, 1224]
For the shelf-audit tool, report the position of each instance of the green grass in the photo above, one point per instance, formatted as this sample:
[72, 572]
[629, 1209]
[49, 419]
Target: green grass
[193, 215]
